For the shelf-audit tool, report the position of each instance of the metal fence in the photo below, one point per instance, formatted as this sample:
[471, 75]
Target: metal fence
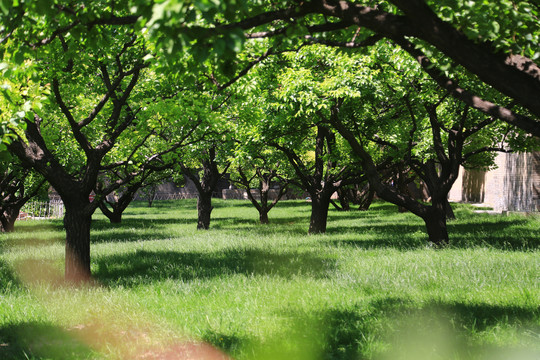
[170, 196]
[42, 210]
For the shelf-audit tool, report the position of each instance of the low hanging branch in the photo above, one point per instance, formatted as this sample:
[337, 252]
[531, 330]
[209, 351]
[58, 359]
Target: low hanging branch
[530, 125]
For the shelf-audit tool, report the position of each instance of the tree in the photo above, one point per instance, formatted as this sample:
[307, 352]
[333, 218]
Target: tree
[421, 130]
[206, 180]
[90, 78]
[298, 88]
[256, 166]
[17, 185]
[360, 195]
[119, 200]
[323, 178]
[266, 175]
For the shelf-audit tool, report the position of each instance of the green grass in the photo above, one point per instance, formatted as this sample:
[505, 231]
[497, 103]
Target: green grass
[371, 288]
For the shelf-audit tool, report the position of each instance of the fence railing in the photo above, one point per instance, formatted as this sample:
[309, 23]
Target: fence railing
[42, 210]
[170, 196]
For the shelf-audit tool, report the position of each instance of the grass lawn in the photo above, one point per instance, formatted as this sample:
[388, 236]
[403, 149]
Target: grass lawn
[370, 288]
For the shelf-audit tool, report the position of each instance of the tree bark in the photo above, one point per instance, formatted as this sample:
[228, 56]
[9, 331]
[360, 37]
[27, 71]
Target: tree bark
[435, 220]
[319, 214]
[448, 210]
[263, 216]
[114, 216]
[204, 210]
[8, 218]
[77, 221]
[366, 199]
[345, 195]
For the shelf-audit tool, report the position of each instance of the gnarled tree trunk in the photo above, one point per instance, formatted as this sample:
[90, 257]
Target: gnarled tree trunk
[448, 210]
[263, 216]
[319, 213]
[204, 210]
[435, 220]
[8, 217]
[77, 222]
[114, 216]
[365, 199]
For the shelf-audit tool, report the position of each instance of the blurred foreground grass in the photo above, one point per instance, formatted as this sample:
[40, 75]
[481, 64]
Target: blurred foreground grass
[371, 288]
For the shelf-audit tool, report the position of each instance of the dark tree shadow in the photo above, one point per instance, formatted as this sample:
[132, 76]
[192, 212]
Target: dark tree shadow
[34, 340]
[8, 280]
[44, 225]
[36, 241]
[497, 234]
[483, 233]
[147, 266]
[444, 330]
[227, 343]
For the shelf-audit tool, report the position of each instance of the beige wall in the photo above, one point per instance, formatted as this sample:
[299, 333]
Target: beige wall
[514, 185]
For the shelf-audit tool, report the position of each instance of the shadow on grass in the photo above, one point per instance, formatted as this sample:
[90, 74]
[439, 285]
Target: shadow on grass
[141, 222]
[481, 315]
[8, 280]
[276, 223]
[37, 241]
[43, 225]
[226, 342]
[501, 233]
[134, 229]
[483, 232]
[446, 330]
[408, 331]
[34, 340]
[146, 267]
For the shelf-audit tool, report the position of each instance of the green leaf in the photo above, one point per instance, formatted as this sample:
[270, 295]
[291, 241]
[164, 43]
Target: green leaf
[18, 57]
[4, 6]
[496, 27]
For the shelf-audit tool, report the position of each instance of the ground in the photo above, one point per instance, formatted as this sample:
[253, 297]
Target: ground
[371, 288]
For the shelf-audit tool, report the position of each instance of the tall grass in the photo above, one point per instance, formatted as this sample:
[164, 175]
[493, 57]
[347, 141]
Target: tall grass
[371, 288]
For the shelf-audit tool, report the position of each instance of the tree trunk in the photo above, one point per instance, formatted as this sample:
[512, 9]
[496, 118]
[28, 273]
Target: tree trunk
[204, 210]
[263, 216]
[449, 211]
[344, 198]
[435, 222]
[8, 219]
[366, 200]
[319, 214]
[114, 216]
[77, 223]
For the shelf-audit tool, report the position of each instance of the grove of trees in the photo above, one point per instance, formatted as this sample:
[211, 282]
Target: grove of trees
[106, 97]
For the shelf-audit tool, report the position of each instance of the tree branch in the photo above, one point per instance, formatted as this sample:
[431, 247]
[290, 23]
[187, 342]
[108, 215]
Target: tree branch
[79, 136]
[505, 114]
